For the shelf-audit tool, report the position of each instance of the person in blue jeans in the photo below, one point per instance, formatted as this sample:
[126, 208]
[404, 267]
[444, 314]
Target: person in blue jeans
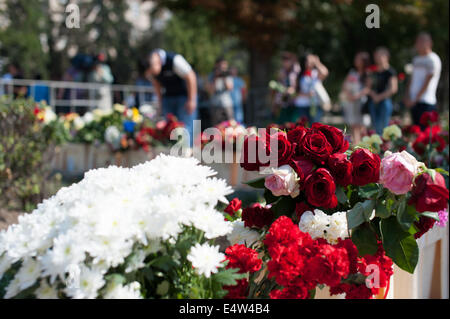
[237, 95]
[384, 85]
[175, 84]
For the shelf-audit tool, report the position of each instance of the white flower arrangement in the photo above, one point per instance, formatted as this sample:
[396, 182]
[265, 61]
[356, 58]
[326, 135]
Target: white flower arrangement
[115, 222]
[320, 225]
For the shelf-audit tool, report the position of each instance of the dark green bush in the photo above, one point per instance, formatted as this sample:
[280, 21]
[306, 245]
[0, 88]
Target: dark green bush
[26, 149]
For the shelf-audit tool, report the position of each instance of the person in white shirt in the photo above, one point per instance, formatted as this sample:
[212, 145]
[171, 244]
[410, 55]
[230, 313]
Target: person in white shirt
[421, 91]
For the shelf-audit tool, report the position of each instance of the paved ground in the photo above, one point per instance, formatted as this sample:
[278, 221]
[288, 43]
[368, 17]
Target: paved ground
[7, 218]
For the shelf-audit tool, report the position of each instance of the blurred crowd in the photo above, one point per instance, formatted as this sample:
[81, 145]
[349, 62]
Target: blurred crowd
[298, 92]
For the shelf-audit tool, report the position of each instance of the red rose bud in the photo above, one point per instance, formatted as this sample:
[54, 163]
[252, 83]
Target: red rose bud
[233, 206]
[341, 168]
[320, 189]
[366, 167]
[334, 136]
[429, 195]
[315, 146]
[257, 216]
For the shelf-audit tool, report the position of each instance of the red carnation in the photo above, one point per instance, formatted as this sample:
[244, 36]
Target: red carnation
[238, 291]
[257, 216]
[243, 258]
[429, 118]
[315, 146]
[366, 167]
[341, 168]
[334, 136]
[233, 206]
[429, 195]
[320, 189]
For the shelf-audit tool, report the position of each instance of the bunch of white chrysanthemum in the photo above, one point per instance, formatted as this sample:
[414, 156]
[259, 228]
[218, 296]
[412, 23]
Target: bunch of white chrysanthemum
[113, 217]
[320, 225]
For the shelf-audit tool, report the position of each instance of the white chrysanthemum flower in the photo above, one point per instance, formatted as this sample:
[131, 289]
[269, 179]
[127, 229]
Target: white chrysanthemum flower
[130, 291]
[46, 291]
[112, 214]
[338, 227]
[28, 273]
[242, 235]
[206, 259]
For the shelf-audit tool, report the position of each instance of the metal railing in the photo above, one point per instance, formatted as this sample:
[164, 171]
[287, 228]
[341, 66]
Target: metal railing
[76, 96]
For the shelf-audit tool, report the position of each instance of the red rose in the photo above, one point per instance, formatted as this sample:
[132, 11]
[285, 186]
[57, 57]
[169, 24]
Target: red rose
[300, 208]
[301, 165]
[315, 146]
[253, 146]
[320, 189]
[340, 168]
[285, 148]
[366, 167]
[429, 118]
[233, 207]
[257, 216]
[429, 195]
[424, 224]
[334, 136]
[414, 129]
[295, 135]
[243, 258]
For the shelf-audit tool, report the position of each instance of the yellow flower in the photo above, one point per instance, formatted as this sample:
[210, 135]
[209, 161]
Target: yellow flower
[392, 132]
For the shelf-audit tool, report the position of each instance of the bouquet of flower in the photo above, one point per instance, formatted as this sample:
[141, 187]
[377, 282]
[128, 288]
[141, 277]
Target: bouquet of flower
[144, 232]
[228, 134]
[355, 212]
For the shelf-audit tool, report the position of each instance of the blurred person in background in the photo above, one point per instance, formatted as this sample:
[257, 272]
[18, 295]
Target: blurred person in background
[238, 95]
[354, 94]
[220, 87]
[384, 85]
[15, 73]
[40, 92]
[282, 100]
[175, 84]
[421, 91]
[307, 102]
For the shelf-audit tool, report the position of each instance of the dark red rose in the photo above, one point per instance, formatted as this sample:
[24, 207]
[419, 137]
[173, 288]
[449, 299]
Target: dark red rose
[300, 208]
[334, 136]
[257, 216]
[366, 167]
[301, 165]
[285, 148]
[320, 189]
[253, 147]
[424, 224]
[233, 207]
[341, 168]
[414, 129]
[429, 195]
[295, 135]
[315, 146]
[429, 118]
[420, 145]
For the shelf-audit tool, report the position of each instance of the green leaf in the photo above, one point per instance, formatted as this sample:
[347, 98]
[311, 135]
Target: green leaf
[341, 196]
[406, 215]
[435, 216]
[285, 206]
[441, 170]
[256, 183]
[368, 191]
[365, 240]
[360, 213]
[400, 245]
[269, 197]
[227, 277]
[381, 210]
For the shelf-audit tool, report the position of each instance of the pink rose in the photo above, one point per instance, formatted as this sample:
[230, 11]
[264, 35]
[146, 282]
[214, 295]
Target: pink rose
[398, 171]
[283, 182]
